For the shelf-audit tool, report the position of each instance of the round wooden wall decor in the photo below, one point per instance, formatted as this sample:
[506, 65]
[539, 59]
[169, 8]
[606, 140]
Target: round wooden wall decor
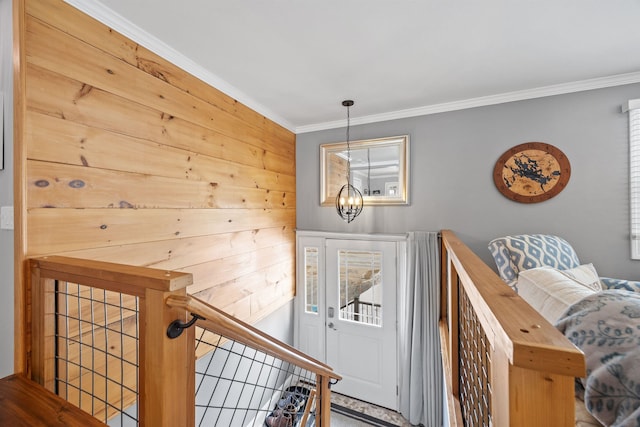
[532, 172]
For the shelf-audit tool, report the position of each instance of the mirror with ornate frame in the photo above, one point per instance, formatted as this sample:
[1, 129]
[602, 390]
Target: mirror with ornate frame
[379, 169]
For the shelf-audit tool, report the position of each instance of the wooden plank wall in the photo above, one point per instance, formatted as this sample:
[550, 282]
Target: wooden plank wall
[127, 158]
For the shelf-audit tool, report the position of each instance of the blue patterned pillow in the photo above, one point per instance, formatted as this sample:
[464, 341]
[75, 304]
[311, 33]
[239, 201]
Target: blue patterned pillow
[513, 254]
[506, 268]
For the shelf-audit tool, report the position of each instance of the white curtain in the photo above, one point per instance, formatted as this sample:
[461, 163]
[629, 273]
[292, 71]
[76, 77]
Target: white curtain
[419, 310]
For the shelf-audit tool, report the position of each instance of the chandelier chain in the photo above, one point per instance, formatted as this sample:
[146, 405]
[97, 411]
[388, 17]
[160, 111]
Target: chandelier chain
[348, 147]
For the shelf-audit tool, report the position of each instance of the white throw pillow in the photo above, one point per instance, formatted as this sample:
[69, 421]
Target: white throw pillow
[551, 292]
[585, 275]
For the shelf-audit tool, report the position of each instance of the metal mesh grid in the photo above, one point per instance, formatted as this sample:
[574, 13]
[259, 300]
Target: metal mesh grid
[240, 386]
[97, 354]
[475, 366]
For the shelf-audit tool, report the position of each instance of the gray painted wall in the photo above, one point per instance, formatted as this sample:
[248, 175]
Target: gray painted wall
[279, 324]
[6, 194]
[452, 160]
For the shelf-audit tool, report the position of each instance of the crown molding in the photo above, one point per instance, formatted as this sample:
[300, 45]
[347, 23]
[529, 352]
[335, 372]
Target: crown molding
[115, 21]
[520, 95]
[128, 29]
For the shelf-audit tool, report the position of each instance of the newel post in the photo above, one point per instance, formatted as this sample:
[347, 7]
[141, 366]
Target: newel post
[323, 384]
[167, 366]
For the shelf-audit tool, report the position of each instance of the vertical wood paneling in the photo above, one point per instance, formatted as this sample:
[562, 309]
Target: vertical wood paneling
[127, 158]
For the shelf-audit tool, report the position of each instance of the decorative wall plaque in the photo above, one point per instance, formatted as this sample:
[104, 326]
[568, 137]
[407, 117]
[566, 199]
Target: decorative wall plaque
[532, 172]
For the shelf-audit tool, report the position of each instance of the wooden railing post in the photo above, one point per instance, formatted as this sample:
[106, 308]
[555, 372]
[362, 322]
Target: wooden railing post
[167, 381]
[41, 331]
[325, 400]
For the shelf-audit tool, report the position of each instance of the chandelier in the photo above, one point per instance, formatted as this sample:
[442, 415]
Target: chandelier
[349, 202]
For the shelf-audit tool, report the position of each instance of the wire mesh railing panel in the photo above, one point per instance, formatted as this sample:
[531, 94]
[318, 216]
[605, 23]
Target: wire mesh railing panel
[97, 351]
[239, 386]
[475, 366]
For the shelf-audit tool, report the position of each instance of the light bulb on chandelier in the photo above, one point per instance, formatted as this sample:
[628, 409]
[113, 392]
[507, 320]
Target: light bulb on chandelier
[349, 202]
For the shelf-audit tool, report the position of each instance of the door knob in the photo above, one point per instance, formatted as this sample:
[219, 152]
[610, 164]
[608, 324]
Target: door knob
[331, 325]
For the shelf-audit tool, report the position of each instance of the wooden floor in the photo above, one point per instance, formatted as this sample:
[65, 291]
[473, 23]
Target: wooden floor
[24, 403]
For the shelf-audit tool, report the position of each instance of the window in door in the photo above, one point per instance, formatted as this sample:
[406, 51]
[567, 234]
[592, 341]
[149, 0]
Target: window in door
[360, 286]
[311, 280]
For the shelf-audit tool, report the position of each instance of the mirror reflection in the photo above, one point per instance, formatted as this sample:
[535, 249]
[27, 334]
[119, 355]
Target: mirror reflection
[379, 169]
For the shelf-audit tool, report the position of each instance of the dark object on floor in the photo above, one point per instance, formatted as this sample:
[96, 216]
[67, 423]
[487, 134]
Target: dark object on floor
[280, 418]
[289, 408]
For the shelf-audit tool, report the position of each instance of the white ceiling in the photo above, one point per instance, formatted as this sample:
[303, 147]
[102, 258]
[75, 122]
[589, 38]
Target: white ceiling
[296, 60]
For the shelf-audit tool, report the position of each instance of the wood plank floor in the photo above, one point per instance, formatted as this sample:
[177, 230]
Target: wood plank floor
[26, 403]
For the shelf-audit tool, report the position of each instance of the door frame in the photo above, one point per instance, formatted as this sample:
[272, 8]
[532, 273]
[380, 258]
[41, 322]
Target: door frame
[321, 237]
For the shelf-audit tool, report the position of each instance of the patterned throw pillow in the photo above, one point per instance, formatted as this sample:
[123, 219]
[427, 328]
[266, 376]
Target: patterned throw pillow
[514, 254]
[551, 291]
[506, 268]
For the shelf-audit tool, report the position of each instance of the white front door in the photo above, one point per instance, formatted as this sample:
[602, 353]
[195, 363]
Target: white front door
[361, 319]
[346, 313]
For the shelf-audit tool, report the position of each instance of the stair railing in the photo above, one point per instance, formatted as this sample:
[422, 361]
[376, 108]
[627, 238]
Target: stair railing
[103, 336]
[250, 378]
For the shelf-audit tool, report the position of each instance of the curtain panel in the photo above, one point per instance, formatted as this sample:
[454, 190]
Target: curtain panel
[421, 396]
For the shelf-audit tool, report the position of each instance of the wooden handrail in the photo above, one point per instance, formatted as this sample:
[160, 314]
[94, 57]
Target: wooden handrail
[527, 338]
[222, 323]
[128, 279]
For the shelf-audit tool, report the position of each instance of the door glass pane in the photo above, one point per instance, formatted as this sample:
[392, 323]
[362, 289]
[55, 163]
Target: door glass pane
[311, 280]
[360, 286]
